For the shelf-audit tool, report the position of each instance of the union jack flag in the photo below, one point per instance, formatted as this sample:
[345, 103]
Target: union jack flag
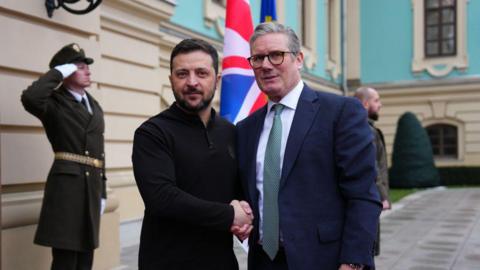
[240, 94]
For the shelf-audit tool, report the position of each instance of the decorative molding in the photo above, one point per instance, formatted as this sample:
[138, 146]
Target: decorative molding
[352, 36]
[125, 27]
[214, 15]
[119, 179]
[332, 31]
[23, 208]
[281, 11]
[319, 83]
[429, 83]
[310, 47]
[439, 66]
[153, 9]
[439, 108]
[175, 33]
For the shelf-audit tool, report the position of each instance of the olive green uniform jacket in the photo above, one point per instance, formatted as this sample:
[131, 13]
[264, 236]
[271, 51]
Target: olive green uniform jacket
[70, 215]
[381, 162]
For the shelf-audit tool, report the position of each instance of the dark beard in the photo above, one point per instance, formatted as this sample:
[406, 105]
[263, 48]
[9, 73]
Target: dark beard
[373, 116]
[182, 103]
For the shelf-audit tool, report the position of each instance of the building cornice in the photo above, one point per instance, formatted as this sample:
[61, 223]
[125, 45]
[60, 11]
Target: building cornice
[436, 84]
[153, 10]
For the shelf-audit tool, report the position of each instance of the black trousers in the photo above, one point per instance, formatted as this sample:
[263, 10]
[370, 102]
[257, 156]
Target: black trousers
[261, 261]
[71, 260]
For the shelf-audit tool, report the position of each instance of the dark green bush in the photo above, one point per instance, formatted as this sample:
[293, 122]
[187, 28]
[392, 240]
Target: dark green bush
[412, 157]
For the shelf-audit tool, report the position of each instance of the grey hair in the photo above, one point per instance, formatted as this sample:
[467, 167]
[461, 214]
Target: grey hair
[274, 27]
[364, 93]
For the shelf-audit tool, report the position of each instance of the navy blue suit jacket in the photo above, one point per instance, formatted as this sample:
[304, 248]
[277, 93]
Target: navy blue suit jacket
[328, 203]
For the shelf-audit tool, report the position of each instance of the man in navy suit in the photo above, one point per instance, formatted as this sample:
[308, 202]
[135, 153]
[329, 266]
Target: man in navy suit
[307, 164]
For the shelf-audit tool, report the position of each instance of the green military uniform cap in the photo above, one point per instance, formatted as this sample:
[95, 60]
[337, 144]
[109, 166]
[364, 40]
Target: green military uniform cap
[71, 53]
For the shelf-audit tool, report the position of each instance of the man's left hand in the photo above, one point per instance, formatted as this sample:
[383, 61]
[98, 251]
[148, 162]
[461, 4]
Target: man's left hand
[386, 205]
[348, 267]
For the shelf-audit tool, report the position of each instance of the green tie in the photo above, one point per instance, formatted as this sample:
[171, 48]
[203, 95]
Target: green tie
[271, 182]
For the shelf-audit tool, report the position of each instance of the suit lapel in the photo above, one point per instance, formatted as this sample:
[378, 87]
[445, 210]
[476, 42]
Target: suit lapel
[257, 126]
[77, 107]
[96, 117]
[305, 113]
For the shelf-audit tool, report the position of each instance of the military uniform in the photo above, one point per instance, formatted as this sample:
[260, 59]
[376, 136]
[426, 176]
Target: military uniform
[381, 162]
[70, 215]
[381, 166]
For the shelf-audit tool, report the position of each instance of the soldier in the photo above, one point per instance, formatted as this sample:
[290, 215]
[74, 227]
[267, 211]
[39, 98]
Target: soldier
[75, 193]
[371, 102]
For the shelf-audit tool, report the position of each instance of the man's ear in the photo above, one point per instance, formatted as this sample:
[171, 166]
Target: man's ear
[300, 58]
[365, 104]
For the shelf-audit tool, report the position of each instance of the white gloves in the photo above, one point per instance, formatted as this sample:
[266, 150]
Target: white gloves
[103, 203]
[66, 69]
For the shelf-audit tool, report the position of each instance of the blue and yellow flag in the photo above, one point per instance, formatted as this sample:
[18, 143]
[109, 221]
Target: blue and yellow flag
[268, 11]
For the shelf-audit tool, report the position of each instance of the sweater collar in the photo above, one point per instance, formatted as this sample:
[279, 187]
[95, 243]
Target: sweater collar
[191, 117]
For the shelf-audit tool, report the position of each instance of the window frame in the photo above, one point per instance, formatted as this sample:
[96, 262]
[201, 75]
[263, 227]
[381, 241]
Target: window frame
[441, 145]
[439, 66]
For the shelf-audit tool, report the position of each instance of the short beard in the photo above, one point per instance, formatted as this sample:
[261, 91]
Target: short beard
[182, 103]
[373, 116]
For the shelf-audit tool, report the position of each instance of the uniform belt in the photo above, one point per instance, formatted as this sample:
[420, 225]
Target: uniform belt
[97, 163]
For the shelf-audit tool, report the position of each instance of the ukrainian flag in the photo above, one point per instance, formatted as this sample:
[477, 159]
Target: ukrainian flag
[268, 11]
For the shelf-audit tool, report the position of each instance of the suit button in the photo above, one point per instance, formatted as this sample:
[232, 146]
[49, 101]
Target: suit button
[87, 173]
[103, 154]
[86, 153]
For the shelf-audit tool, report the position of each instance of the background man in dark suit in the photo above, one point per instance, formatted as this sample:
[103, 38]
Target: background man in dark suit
[185, 167]
[75, 189]
[371, 102]
[307, 164]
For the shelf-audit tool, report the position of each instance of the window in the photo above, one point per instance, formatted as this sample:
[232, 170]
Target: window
[439, 36]
[440, 28]
[444, 139]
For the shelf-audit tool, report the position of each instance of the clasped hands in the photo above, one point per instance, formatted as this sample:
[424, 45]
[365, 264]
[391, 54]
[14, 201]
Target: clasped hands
[242, 221]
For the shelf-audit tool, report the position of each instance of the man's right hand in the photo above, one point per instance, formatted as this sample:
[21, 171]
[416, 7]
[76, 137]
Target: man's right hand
[242, 221]
[66, 69]
[243, 213]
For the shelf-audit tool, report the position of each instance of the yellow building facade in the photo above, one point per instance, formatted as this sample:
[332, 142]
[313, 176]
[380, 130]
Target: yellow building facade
[131, 83]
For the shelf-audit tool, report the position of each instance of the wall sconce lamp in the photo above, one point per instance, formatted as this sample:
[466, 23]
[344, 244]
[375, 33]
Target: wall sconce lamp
[51, 6]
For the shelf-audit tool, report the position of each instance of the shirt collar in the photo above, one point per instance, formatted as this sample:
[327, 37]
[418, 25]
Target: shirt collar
[291, 99]
[77, 96]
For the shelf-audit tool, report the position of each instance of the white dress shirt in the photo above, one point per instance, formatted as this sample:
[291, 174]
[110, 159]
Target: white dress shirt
[79, 97]
[290, 102]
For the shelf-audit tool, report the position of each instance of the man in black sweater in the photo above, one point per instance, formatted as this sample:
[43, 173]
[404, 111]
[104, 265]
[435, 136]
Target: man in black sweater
[185, 167]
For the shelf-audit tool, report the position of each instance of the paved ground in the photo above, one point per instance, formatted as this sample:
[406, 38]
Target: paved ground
[436, 229]
[433, 230]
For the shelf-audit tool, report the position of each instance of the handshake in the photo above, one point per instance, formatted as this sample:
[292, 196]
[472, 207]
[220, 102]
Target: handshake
[242, 221]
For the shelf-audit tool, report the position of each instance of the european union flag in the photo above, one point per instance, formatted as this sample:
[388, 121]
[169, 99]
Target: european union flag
[268, 11]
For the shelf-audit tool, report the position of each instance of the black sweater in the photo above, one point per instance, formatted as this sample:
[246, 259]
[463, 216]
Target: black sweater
[187, 176]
